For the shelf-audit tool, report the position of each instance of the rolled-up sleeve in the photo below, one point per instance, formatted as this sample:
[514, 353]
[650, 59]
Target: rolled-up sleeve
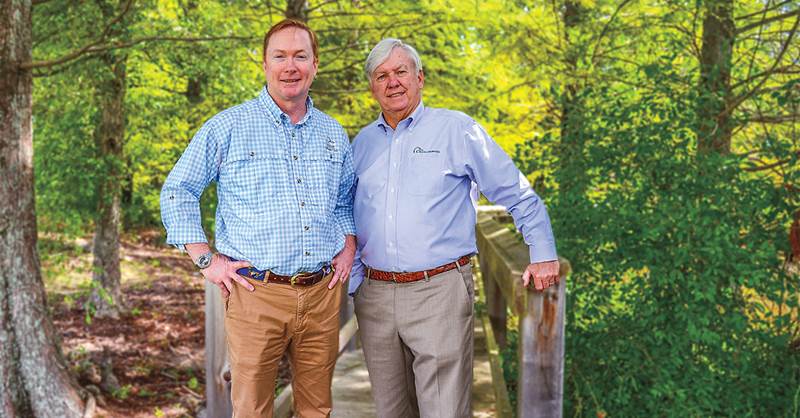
[180, 195]
[502, 183]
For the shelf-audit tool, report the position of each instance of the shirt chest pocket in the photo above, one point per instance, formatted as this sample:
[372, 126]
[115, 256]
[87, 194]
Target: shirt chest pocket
[323, 172]
[424, 174]
[255, 180]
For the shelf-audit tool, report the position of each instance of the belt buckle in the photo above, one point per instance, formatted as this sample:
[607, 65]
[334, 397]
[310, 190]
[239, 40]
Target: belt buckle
[394, 277]
[293, 279]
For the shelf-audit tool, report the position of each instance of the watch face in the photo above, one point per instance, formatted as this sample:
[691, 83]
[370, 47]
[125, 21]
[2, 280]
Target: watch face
[204, 260]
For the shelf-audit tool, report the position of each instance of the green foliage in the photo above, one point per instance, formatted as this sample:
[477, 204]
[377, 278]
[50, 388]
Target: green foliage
[508, 361]
[679, 303]
[123, 392]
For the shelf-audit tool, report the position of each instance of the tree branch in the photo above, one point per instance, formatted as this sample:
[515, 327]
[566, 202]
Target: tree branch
[94, 49]
[789, 69]
[767, 20]
[766, 9]
[774, 119]
[769, 166]
[606, 28]
[738, 101]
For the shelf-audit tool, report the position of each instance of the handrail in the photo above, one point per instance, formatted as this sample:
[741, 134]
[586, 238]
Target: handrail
[503, 258]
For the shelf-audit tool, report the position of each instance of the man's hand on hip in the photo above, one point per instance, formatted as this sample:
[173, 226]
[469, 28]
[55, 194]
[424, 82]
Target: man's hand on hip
[343, 261]
[222, 272]
[544, 274]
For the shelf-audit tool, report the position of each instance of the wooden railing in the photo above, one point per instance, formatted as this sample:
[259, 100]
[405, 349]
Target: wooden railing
[502, 260]
[218, 376]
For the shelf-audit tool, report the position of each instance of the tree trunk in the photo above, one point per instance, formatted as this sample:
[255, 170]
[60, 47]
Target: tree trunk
[714, 128]
[34, 380]
[107, 297]
[297, 9]
[573, 178]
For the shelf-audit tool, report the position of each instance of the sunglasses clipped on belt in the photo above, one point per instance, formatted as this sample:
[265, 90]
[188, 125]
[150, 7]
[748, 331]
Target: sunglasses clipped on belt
[298, 279]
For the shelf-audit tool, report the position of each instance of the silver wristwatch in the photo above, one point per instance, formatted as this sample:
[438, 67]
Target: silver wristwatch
[204, 260]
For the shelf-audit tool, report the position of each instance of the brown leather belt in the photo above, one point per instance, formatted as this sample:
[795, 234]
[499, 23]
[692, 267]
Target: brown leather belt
[413, 276]
[299, 279]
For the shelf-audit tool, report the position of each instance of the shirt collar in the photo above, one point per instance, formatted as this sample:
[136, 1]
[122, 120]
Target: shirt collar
[412, 119]
[278, 115]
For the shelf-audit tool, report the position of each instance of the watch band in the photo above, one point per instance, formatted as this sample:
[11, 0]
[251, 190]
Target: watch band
[204, 260]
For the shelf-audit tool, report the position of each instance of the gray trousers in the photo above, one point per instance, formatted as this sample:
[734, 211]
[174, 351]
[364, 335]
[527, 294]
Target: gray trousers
[417, 340]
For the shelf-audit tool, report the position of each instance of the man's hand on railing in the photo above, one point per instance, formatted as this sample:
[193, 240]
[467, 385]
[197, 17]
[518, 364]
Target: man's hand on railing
[544, 274]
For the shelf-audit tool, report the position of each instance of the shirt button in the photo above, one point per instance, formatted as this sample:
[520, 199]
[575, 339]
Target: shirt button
[294, 157]
[306, 227]
[252, 154]
[299, 181]
[292, 134]
[392, 190]
[308, 253]
[302, 204]
[394, 165]
[390, 216]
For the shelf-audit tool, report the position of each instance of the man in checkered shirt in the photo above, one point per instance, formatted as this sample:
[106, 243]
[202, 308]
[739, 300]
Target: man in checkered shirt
[284, 227]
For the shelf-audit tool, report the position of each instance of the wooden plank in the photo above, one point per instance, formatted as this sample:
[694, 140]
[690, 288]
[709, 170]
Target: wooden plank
[346, 334]
[503, 404]
[503, 256]
[347, 311]
[283, 404]
[541, 352]
[496, 309]
[218, 388]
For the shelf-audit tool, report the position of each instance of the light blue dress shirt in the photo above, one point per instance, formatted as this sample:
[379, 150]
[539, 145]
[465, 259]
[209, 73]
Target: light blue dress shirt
[416, 197]
[285, 190]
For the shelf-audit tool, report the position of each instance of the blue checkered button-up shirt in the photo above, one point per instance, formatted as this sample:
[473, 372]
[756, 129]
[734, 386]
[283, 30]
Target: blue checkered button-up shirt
[285, 190]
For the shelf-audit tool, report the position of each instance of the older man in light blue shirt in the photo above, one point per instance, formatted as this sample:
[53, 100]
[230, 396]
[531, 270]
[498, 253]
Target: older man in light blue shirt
[419, 170]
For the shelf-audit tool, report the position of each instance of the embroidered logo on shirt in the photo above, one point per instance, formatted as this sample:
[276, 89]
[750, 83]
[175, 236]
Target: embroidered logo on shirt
[330, 145]
[419, 150]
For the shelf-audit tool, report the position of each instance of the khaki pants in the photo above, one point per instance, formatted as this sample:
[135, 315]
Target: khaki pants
[417, 340]
[261, 325]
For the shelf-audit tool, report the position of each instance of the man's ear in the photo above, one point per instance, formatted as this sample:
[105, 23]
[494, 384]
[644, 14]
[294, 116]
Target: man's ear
[421, 78]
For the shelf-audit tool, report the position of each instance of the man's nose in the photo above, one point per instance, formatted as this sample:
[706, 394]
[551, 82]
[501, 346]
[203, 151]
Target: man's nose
[393, 81]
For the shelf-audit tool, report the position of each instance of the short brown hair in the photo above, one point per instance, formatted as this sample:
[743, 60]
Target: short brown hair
[291, 23]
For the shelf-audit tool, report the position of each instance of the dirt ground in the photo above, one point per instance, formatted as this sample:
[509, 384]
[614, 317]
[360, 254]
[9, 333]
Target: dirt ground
[150, 361]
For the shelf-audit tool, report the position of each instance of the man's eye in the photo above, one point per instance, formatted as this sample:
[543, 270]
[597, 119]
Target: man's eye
[278, 57]
[402, 72]
[302, 57]
[381, 77]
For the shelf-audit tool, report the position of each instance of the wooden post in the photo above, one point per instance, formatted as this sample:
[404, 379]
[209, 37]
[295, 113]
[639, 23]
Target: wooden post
[347, 311]
[496, 309]
[541, 352]
[218, 385]
[503, 258]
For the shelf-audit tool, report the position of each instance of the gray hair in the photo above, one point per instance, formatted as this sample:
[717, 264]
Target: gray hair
[383, 49]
